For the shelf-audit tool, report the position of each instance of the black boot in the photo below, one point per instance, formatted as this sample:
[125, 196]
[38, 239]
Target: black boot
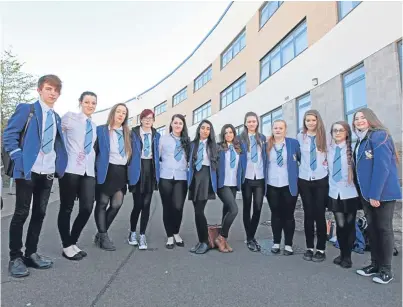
[17, 268]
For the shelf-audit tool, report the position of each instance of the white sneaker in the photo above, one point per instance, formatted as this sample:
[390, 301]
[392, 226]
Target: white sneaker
[143, 242]
[132, 240]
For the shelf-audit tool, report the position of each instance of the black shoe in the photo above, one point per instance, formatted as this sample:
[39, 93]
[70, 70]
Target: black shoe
[346, 263]
[257, 245]
[252, 246]
[75, 257]
[337, 260]
[203, 248]
[195, 248]
[105, 242]
[369, 270]
[383, 277]
[17, 268]
[82, 253]
[96, 239]
[181, 243]
[275, 250]
[308, 255]
[319, 257]
[169, 246]
[287, 253]
[38, 262]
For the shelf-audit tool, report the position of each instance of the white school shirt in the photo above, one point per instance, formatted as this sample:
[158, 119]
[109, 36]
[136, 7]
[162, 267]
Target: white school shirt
[114, 154]
[343, 188]
[74, 126]
[254, 169]
[278, 176]
[230, 179]
[46, 163]
[305, 171]
[142, 135]
[170, 168]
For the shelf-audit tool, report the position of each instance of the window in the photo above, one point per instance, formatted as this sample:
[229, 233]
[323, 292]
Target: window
[203, 78]
[161, 130]
[287, 49]
[233, 92]
[236, 46]
[355, 96]
[303, 105]
[130, 122]
[161, 108]
[180, 96]
[400, 51]
[239, 129]
[345, 7]
[202, 112]
[268, 119]
[268, 10]
[138, 119]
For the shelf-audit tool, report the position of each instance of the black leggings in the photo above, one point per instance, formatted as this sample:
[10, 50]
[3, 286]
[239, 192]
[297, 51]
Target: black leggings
[201, 221]
[71, 186]
[173, 195]
[104, 217]
[229, 209]
[251, 188]
[314, 195]
[345, 232]
[282, 206]
[141, 204]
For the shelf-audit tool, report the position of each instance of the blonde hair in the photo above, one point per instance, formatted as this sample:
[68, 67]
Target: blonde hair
[126, 130]
[271, 137]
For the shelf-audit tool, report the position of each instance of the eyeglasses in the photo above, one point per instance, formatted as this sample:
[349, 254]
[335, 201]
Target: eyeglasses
[335, 131]
[147, 118]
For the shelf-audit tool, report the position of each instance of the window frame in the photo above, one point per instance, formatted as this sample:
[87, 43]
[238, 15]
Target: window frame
[184, 90]
[208, 103]
[241, 35]
[232, 86]
[265, 4]
[207, 72]
[339, 3]
[159, 129]
[271, 117]
[298, 107]
[159, 107]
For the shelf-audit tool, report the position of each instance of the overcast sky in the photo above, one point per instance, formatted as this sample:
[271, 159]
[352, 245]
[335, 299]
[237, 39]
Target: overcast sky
[115, 49]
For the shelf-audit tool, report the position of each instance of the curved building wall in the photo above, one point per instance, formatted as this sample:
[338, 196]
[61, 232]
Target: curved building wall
[367, 38]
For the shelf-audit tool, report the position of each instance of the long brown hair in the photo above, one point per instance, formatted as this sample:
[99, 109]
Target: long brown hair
[126, 130]
[350, 161]
[235, 141]
[320, 130]
[375, 125]
[270, 140]
[244, 135]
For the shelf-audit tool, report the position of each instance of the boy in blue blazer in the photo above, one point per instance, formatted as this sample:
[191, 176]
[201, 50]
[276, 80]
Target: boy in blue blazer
[38, 159]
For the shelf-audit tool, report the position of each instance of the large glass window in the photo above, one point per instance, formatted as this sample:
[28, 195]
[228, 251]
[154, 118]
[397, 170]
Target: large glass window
[161, 108]
[345, 7]
[268, 10]
[303, 105]
[239, 129]
[287, 49]
[233, 92]
[232, 50]
[161, 130]
[202, 112]
[201, 80]
[267, 119]
[180, 96]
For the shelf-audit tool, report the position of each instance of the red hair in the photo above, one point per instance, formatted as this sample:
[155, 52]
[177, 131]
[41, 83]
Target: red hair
[145, 113]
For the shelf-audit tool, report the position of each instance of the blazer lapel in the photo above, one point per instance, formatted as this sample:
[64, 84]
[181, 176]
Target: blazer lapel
[107, 139]
[39, 118]
[289, 152]
[361, 149]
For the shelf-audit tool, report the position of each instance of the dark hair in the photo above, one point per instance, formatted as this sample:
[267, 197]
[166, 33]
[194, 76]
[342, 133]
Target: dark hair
[185, 140]
[244, 135]
[223, 144]
[85, 94]
[211, 145]
[53, 80]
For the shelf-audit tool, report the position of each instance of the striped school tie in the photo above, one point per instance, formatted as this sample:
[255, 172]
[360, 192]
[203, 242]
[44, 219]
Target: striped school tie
[312, 162]
[232, 156]
[279, 152]
[47, 139]
[253, 148]
[178, 151]
[121, 142]
[199, 160]
[146, 149]
[337, 165]
[88, 137]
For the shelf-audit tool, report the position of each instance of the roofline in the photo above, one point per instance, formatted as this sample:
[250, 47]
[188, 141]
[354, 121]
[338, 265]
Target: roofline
[181, 64]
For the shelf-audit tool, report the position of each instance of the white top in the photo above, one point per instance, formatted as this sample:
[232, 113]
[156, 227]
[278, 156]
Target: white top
[74, 126]
[142, 135]
[46, 163]
[361, 136]
[305, 171]
[170, 168]
[254, 169]
[114, 154]
[206, 158]
[343, 188]
[230, 179]
[278, 176]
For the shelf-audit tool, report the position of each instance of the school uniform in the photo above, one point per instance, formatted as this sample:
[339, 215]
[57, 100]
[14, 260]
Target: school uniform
[253, 184]
[79, 179]
[144, 174]
[231, 166]
[343, 198]
[173, 181]
[42, 157]
[377, 179]
[282, 188]
[313, 185]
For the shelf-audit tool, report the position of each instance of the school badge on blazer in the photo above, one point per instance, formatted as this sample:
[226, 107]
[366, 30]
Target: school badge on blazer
[294, 156]
[368, 154]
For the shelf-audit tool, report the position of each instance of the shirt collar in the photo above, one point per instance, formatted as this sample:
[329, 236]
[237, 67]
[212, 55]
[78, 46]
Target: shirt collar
[341, 145]
[204, 141]
[85, 116]
[142, 132]
[110, 128]
[44, 106]
[361, 134]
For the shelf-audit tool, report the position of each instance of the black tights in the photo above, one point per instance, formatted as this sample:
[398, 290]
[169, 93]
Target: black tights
[201, 221]
[104, 217]
[251, 188]
[230, 208]
[141, 203]
[345, 232]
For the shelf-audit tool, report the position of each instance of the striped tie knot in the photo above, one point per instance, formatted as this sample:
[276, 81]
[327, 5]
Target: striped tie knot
[280, 159]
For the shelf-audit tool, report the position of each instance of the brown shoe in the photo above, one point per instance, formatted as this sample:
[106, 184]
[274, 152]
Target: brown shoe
[220, 242]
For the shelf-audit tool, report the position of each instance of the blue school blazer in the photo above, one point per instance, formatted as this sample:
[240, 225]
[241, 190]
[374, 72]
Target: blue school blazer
[293, 158]
[137, 147]
[376, 168]
[213, 173]
[25, 158]
[240, 171]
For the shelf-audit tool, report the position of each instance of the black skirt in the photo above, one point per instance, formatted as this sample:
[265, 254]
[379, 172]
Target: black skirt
[344, 205]
[116, 180]
[147, 182]
[201, 187]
